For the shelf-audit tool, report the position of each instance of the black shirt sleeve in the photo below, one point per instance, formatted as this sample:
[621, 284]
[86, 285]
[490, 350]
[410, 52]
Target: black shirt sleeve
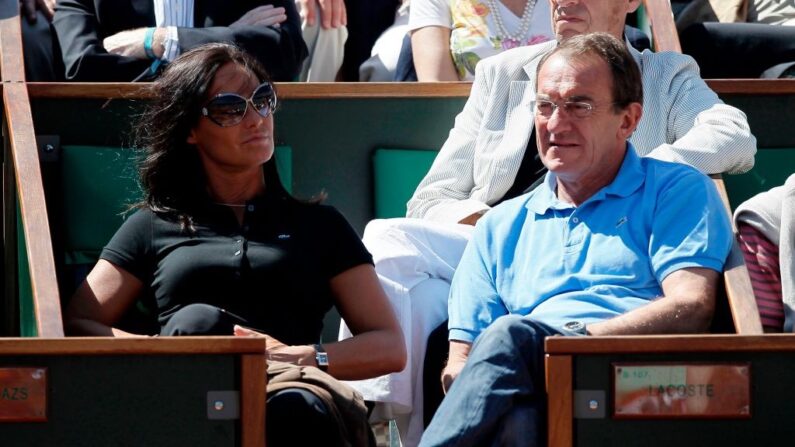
[339, 247]
[131, 247]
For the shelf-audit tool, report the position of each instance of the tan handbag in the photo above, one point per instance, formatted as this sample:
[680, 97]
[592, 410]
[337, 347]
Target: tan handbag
[344, 403]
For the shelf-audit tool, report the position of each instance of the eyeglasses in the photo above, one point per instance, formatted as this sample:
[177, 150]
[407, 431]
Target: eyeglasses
[228, 109]
[577, 109]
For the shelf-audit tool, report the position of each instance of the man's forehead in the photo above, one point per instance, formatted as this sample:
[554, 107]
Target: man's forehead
[565, 76]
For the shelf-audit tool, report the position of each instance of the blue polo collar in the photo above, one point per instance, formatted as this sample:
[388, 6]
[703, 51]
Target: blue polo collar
[629, 179]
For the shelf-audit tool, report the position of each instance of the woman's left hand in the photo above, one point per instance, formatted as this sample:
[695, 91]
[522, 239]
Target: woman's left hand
[280, 352]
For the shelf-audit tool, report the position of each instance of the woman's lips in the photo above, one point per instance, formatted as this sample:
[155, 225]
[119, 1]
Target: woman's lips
[257, 137]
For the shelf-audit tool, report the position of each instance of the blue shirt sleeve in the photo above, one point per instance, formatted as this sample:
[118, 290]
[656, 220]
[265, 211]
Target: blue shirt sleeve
[474, 302]
[691, 226]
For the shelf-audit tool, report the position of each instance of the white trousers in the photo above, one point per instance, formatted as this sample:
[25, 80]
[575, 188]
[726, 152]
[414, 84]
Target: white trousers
[415, 260]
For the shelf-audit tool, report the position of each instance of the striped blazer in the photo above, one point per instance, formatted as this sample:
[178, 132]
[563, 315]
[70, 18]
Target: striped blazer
[683, 121]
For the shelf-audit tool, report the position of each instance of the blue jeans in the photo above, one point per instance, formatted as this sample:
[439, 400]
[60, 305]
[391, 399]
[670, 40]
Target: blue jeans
[498, 398]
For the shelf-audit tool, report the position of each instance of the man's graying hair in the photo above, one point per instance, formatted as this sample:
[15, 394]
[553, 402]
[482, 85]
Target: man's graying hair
[627, 83]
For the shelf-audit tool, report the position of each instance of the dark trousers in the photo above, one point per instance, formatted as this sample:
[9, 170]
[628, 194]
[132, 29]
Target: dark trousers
[298, 417]
[295, 416]
[42, 56]
[201, 319]
[367, 19]
[498, 398]
[436, 353]
[738, 50]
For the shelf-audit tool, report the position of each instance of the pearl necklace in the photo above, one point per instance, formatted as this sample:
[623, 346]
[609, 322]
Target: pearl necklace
[524, 25]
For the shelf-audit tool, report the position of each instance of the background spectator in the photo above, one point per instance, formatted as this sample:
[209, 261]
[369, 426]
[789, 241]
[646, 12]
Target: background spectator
[106, 40]
[42, 57]
[324, 31]
[735, 39]
[382, 66]
[450, 37]
[766, 223]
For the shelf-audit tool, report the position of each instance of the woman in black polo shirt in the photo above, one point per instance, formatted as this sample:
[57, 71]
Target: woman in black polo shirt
[218, 242]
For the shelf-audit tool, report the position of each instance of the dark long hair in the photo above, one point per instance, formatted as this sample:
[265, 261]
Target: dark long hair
[171, 172]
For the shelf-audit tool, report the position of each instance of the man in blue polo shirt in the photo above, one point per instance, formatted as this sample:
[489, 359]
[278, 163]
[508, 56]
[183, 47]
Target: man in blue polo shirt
[610, 243]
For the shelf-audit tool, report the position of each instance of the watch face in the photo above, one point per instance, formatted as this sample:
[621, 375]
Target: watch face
[575, 326]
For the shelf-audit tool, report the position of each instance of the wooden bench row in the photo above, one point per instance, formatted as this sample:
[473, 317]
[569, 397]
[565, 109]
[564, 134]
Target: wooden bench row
[351, 121]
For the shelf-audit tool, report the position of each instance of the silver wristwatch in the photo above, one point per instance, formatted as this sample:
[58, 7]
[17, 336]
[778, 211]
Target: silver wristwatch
[321, 357]
[577, 327]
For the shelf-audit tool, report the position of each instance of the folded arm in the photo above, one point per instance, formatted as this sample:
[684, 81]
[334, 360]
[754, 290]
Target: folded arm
[377, 346]
[444, 194]
[704, 132]
[686, 307]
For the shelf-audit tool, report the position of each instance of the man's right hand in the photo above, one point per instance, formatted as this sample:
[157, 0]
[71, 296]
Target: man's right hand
[459, 352]
[449, 374]
[265, 15]
[332, 12]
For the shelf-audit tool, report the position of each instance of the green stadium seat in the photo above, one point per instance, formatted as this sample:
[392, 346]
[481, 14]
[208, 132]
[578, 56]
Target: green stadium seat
[772, 168]
[396, 174]
[99, 184]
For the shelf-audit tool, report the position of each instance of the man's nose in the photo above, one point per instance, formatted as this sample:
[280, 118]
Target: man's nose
[559, 120]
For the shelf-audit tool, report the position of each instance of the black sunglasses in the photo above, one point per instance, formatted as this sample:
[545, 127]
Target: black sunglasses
[228, 109]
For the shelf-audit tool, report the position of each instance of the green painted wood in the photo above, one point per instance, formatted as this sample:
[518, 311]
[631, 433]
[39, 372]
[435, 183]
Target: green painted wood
[772, 168]
[396, 174]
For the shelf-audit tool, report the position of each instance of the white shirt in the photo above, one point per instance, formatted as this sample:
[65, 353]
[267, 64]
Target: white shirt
[171, 14]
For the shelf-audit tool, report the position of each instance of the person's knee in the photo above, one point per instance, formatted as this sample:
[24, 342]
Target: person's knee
[292, 402]
[198, 319]
[292, 410]
[511, 330]
[378, 230]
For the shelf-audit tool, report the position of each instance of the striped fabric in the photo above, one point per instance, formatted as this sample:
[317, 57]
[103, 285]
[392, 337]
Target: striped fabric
[761, 257]
[683, 121]
[172, 14]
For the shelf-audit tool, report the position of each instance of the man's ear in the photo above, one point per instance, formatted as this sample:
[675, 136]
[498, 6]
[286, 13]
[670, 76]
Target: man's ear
[630, 119]
[191, 137]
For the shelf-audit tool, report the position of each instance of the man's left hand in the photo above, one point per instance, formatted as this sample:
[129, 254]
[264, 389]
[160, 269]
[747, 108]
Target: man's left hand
[131, 43]
[29, 8]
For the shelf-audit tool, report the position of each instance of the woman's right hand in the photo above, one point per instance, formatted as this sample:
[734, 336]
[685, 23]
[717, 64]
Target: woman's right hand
[278, 351]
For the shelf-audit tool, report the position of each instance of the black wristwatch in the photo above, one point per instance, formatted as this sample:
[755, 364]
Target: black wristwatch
[321, 357]
[577, 327]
